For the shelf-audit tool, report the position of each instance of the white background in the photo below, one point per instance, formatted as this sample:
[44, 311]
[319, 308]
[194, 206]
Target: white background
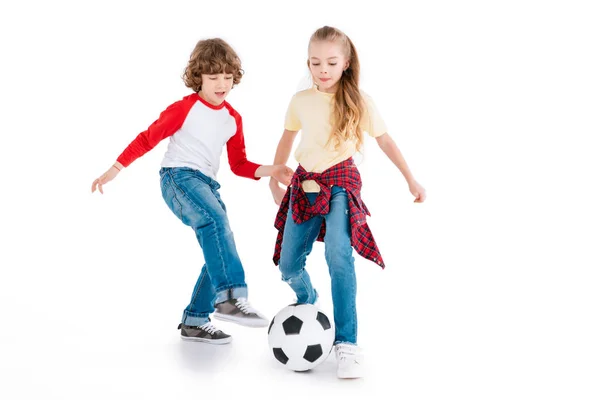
[491, 286]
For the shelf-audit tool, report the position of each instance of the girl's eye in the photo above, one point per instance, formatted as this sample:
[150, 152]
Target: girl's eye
[315, 65]
[332, 64]
[212, 78]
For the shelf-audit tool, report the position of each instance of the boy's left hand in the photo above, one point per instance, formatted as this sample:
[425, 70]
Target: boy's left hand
[417, 190]
[283, 174]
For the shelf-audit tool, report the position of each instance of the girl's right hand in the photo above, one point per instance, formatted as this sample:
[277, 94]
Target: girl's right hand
[278, 192]
[283, 174]
[106, 177]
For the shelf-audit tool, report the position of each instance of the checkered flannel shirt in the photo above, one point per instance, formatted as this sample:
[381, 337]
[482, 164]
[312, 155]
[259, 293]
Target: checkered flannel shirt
[346, 175]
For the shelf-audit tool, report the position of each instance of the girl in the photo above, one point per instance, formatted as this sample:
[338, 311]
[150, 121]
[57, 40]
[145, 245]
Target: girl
[324, 202]
[198, 127]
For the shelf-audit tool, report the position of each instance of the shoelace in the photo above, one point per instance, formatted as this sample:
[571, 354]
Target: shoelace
[343, 352]
[244, 305]
[210, 328]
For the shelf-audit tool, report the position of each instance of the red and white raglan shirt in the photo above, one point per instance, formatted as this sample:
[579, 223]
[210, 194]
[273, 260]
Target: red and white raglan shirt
[197, 132]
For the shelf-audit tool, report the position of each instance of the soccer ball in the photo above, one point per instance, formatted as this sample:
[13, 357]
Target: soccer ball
[301, 336]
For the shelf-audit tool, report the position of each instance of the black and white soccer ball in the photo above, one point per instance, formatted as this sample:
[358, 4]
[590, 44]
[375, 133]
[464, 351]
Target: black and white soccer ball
[301, 336]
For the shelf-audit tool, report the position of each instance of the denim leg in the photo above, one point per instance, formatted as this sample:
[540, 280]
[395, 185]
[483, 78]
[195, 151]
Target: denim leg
[202, 302]
[194, 199]
[298, 240]
[338, 253]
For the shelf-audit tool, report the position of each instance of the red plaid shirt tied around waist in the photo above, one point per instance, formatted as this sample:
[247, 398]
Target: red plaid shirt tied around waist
[346, 175]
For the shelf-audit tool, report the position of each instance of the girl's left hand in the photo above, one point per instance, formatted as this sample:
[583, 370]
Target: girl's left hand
[417, 190]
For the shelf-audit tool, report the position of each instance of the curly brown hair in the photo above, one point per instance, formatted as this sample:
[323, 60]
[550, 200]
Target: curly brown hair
[212, 56]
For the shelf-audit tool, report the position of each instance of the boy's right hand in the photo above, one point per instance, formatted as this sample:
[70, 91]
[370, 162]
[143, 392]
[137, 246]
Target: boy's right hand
[277, 191]
[106, 177]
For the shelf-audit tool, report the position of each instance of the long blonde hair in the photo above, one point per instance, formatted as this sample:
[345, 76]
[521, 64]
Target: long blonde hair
[348, 107]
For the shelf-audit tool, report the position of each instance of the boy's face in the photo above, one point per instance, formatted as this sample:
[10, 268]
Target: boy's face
[216, 87]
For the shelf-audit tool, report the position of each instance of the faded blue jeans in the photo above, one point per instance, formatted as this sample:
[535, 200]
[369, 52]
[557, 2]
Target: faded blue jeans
[194, 199]
[297, 244]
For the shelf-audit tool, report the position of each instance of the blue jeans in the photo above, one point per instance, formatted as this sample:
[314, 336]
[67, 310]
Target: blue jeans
[297, 244]
[194, 199]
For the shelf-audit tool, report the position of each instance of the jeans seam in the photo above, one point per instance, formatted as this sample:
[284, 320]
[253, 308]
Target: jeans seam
[305, 287]
[212, 220]
[196, 315]
[308, 235]
[230, 286]
[304, 257]
[195, 295]
[172, 185]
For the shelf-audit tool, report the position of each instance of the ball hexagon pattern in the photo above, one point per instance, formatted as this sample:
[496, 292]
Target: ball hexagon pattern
[301, 336]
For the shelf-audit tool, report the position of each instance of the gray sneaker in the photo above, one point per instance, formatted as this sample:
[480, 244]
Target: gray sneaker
[206, 333]
[241, 312]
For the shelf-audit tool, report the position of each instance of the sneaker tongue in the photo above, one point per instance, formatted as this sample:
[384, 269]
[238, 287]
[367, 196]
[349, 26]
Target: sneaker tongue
[210, 328]
[244, 305]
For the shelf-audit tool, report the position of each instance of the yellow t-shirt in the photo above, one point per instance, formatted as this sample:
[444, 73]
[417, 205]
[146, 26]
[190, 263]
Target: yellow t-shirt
[309, 111]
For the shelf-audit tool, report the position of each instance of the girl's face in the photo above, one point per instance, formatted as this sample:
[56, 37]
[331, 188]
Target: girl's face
[327, 62]
[216, 87]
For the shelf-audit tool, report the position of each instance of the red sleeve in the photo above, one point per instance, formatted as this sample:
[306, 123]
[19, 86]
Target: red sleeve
[169, 122]
[236, 150]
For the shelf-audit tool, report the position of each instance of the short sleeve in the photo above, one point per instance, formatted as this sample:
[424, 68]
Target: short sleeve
[372, 122]
[292, 121]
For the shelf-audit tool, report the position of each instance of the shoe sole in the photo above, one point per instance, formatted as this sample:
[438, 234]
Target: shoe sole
[209, 341]
[348, 376]
[242, 321]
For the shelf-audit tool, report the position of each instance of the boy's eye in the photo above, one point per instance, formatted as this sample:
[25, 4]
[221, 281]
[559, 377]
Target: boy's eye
[212, 78]
[229, 77]
[332, 64]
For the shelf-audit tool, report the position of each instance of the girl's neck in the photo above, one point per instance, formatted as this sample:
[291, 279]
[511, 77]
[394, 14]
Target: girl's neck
[331, 90]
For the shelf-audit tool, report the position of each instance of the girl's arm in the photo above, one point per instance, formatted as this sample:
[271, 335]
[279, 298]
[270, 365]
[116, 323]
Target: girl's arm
[282, 154]
[391, 150]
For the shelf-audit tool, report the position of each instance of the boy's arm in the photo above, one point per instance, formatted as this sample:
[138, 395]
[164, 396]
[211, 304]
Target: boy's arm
[236, 152]
[169, 121]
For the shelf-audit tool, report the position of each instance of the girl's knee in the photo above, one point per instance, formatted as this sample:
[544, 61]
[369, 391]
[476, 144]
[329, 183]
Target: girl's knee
[338, 253]
[287, 270]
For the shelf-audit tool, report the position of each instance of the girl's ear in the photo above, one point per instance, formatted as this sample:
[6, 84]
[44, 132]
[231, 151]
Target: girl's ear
[346, 65]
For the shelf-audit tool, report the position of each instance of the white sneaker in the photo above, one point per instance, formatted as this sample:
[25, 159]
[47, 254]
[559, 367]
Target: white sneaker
[349, 358]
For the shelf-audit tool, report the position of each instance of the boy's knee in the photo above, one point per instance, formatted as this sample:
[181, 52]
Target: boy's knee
[214, 221]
